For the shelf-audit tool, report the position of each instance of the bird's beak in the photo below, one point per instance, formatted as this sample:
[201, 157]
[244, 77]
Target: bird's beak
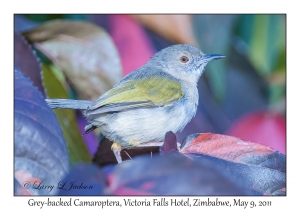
[207, 58]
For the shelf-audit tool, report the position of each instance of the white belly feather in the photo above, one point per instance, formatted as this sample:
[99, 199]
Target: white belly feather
[145, 125]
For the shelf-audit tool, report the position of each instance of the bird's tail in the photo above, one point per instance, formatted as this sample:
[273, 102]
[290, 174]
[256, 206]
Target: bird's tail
[67, 104]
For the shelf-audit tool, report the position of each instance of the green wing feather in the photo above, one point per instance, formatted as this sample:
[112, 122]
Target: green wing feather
[145, 93]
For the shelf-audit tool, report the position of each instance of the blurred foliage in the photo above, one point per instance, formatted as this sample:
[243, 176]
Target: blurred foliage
[260, 37]
[78, 47]
[66, 117]
[213, 33]
[267, 128]
[265, 37]
[46, 17]
[134, 48]
[265, 40]
[174, 27]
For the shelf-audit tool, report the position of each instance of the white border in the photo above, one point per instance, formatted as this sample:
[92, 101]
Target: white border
[215, 6]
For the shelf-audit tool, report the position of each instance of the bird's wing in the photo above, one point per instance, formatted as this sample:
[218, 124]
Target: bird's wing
[152, 92]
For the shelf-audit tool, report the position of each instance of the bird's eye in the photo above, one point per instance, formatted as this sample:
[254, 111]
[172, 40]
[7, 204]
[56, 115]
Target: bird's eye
[184, 59]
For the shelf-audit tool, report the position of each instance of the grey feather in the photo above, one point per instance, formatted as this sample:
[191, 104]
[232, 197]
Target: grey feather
[68, 104]
[120, 107]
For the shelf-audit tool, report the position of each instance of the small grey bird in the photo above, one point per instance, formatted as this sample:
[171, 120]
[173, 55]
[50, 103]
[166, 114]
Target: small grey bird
[160, 96]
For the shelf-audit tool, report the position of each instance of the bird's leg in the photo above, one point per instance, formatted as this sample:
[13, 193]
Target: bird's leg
[127, 154]
[116, 148]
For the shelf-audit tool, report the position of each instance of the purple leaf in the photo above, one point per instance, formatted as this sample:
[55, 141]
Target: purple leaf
[40, 149]
[26, 60]
[172, 174]
[170, 143]
[83, 179]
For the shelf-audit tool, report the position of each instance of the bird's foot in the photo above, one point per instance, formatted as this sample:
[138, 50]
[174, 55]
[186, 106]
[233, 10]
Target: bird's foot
[116, 148]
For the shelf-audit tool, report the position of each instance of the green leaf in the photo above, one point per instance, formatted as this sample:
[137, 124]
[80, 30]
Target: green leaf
[265, 36]
[266, 46]
[43, 17]
[47, 17]
[66, 117]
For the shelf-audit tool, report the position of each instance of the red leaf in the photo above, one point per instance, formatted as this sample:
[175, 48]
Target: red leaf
[262, 127]
[132, 42]
[258, 167]
[225, 147]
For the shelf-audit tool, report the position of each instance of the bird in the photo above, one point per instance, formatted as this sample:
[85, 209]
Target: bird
[159, 97]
